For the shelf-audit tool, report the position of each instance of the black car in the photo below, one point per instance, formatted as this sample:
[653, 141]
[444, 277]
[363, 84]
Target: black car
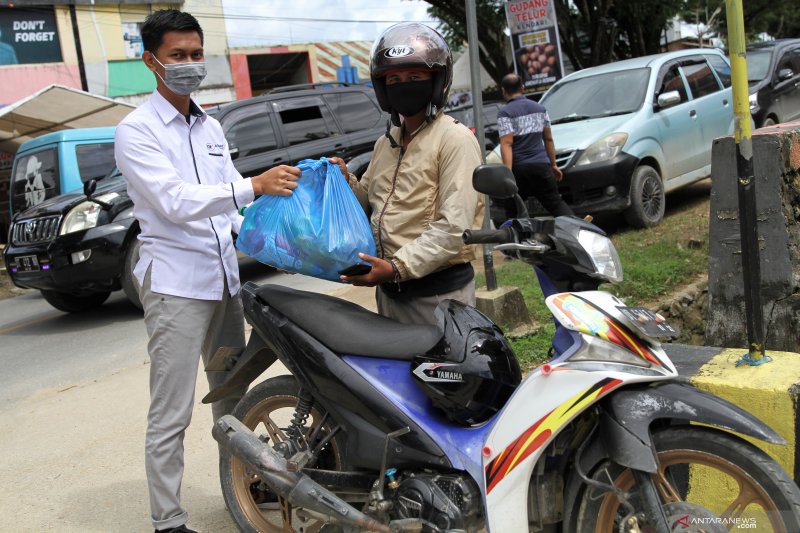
[466, 115]
[76, 251]
[306, 121]
[773, 72]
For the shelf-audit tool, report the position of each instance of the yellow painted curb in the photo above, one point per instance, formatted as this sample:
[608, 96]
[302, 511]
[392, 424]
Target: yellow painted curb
[767, 392]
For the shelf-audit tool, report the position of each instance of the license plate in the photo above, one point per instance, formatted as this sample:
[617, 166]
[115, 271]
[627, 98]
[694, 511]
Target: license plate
[650, 323]
[27, 263]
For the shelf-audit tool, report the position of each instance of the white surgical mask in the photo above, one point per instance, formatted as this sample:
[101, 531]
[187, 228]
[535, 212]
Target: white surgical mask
[182, 78]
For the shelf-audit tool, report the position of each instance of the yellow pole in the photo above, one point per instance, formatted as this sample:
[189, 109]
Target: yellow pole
[748, 220]
[737, 43]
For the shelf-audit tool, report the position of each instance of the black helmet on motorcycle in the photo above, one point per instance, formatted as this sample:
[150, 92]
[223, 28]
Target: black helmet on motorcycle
[411, 45]
[472, 372]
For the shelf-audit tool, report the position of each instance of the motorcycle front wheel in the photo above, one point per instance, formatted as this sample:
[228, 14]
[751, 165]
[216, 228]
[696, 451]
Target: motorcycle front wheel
[707, 480]
[267, 409]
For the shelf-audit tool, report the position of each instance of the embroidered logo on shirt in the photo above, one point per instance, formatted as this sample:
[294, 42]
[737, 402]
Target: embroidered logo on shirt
[215, 149]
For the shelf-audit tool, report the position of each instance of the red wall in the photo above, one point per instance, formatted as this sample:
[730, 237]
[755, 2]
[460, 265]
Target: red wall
[20, 81]
[241, 76]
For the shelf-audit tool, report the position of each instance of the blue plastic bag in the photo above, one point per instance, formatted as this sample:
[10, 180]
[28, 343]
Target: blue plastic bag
[318, 231]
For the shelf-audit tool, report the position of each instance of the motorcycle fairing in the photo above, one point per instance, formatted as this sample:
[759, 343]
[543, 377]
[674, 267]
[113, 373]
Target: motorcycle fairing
[393, 379]
[590, 313]
[541, 430]
[552, 399]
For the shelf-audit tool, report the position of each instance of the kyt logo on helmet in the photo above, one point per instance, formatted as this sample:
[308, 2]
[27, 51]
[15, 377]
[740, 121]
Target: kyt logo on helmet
[399, 51]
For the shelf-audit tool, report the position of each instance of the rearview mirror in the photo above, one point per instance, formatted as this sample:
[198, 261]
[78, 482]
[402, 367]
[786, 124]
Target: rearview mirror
[784, 74]
[495, 180]
[669, 99]
[89, 187]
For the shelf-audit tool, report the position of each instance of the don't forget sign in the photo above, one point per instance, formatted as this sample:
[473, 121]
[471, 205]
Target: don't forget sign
[28, 35]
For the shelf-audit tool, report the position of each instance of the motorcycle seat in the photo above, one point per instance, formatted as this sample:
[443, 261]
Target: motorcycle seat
[347, 328]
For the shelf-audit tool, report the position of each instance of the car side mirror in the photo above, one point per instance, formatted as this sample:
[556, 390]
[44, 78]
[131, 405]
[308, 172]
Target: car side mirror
[668, 99]
[785, 74]
[88, 189]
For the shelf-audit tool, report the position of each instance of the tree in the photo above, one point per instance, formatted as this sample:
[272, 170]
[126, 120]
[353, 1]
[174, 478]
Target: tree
[494, 45]
[594, 32]
[778, 19]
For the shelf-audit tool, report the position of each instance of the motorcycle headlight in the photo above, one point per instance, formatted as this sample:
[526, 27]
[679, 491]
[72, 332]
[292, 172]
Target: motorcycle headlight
[606, 148]
[84, 215]
[603, 254]
[753, 98]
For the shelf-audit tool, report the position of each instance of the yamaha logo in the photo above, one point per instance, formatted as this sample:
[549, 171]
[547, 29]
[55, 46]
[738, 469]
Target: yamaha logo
[438, 373]
[398, 51]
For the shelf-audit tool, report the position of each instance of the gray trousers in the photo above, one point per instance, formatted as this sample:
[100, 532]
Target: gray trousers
[420, 310]
[180, 330]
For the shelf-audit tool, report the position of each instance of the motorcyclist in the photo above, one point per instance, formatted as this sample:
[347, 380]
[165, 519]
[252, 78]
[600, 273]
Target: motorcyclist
[417, 189]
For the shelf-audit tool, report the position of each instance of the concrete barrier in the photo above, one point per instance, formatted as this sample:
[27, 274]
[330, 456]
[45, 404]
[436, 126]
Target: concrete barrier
[776, 162]
[769, 391]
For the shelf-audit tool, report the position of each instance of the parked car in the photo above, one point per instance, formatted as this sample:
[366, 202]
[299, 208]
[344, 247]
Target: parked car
[306, 121]
[53, 164]
[628, 132]
[773, 73]
[76, 250]
[466, 115]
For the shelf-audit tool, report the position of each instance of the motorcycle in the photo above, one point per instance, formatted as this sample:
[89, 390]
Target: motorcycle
[390, 427]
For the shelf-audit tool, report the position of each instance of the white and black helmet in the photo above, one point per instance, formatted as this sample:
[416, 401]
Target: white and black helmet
[411, 45]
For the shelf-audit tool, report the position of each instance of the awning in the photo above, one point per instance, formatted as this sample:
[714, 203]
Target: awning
[56, 108]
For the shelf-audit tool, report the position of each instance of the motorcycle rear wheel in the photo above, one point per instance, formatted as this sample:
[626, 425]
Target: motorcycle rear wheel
[267, 409]
[714, 473]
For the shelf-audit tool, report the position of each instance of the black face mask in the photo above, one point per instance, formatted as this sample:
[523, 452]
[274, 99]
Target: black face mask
[411, 97]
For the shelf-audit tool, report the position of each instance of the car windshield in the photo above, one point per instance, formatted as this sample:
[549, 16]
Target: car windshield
[757, 65]
[601, 95]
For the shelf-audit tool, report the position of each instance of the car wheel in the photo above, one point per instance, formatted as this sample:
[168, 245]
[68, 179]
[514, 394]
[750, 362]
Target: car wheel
[75, 303]
[129, 283]
[769, 121]
[647, 198]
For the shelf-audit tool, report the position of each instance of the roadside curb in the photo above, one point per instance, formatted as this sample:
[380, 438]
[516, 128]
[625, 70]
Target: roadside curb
[769, 391]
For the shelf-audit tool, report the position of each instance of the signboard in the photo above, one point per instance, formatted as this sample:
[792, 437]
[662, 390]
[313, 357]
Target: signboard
[534, 40]
[28, 35]
[132, 36]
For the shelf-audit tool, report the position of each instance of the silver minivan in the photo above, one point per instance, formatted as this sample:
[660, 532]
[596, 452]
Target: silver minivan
[628, 132]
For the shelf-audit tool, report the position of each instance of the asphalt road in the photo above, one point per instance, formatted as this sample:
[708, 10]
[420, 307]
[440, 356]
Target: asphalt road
[42, 348]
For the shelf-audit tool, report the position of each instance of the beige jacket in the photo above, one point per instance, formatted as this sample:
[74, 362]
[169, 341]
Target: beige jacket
[420, 203]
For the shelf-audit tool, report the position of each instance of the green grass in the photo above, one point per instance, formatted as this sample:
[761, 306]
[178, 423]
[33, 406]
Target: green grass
[655, 262]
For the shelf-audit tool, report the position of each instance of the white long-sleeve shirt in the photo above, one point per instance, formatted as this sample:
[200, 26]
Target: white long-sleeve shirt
[185, 192]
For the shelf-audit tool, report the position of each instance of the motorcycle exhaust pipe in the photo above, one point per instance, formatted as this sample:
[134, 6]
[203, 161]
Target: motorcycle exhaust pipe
[299, 489]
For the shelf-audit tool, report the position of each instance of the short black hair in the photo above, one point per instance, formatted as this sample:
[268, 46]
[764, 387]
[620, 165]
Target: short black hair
[511, 83]
[162, 21]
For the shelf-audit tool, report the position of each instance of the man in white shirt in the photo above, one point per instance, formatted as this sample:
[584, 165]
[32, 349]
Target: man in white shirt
[186, 193]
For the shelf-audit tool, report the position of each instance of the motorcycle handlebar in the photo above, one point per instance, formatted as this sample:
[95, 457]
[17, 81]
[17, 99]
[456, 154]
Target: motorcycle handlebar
[488, 236]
